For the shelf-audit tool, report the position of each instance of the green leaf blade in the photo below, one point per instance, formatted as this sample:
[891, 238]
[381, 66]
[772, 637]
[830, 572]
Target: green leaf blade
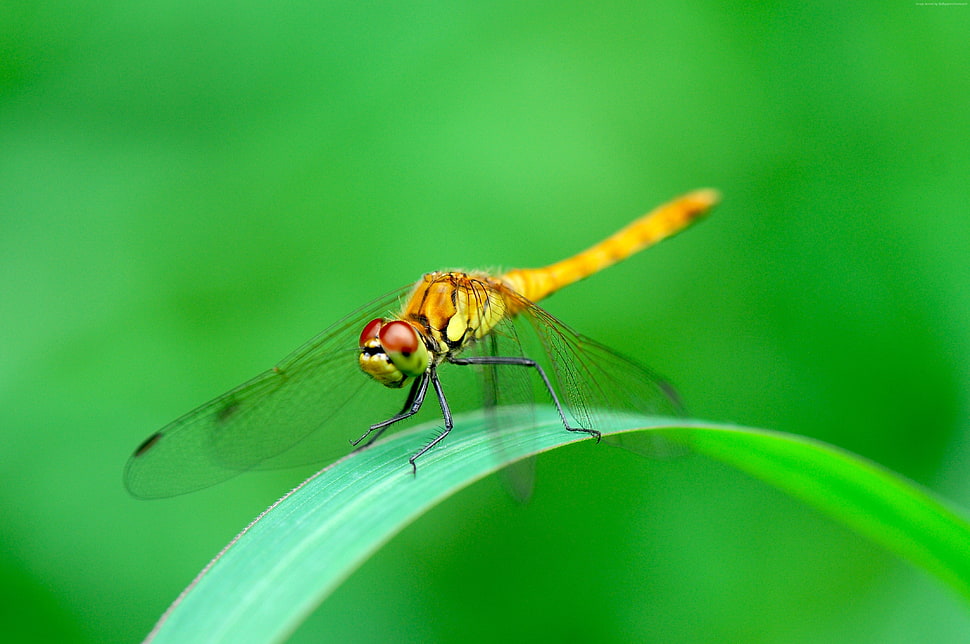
[292, 557]
[890, 510]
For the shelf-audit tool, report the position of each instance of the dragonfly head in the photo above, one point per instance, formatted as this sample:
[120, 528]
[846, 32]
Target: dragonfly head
[392, 351]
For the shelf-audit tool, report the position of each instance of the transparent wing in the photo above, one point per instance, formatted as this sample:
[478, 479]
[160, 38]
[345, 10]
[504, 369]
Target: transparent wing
[595, 384]
[505, 389]
[304, 410]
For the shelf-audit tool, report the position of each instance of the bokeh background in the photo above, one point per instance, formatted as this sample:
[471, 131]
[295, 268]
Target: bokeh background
[190, 190]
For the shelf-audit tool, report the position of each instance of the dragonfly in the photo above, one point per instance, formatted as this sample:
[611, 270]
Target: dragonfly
[299, 411]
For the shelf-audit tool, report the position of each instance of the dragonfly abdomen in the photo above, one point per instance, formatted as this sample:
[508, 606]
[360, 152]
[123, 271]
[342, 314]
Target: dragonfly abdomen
[658, 224]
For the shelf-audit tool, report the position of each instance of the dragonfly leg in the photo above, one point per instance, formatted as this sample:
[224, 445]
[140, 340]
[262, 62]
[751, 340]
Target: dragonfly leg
[526, 362]
[411, 406]
[445, 412]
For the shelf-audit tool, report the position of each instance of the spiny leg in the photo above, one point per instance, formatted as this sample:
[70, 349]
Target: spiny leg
[445, 412]
[526, 362]
[411, 406]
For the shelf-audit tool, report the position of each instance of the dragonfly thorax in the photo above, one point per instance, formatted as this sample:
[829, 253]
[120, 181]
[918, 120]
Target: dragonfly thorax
[456, 309]
[445, 314]
[392, 351]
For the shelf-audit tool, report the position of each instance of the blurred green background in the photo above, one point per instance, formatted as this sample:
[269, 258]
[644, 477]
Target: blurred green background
[188, 191]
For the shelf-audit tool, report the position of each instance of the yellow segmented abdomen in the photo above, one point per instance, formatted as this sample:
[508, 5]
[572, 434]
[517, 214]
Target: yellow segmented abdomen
[668, 219]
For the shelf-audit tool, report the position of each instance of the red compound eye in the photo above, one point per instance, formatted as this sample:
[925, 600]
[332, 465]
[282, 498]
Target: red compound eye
[399, 337]
[371, 330]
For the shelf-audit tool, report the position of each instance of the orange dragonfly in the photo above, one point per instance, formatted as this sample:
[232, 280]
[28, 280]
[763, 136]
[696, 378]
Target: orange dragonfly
[295, 413]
